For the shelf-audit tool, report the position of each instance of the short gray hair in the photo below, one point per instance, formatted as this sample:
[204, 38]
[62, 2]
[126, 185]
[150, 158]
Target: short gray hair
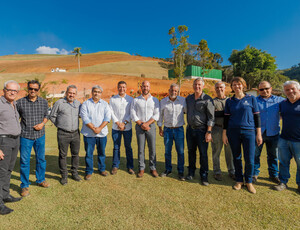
[11, 81]
[199, 79]
[97, 87]
[220, 82]
[292, 83]
[174, 85]
[71, 87]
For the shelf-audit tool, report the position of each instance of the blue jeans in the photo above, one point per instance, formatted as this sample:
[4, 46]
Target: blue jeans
[117, 136]
[245, 137]
[89, 146]
[196, 139]
[25, 153]
[288, 150]
[272, 155]
[178, 136]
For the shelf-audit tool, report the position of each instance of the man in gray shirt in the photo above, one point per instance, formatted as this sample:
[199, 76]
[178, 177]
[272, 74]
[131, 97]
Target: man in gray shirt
[65, 116]
[200, 118]
[10, 131]
[217, 131]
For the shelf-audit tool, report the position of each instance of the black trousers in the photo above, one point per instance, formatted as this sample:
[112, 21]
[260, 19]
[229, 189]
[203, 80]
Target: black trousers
[10, 147]
[64, 140]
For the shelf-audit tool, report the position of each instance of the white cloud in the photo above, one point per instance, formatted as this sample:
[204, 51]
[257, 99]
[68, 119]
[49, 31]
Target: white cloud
[49, 50]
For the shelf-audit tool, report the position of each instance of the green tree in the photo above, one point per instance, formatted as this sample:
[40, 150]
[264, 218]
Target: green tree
[77, 53]
[180, 46]
[247, 62]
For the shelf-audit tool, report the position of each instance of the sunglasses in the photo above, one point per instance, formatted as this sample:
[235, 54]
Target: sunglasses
[35, 89]
[263, 89]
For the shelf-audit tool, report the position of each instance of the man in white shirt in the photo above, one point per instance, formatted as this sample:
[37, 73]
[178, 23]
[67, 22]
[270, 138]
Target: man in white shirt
[145, 111]
[95, 114]
[172, 110]
[120, 105]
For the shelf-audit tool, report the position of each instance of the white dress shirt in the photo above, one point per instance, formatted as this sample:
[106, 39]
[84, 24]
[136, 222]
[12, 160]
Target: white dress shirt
[120, 110]
[144, 110]
[172, 112]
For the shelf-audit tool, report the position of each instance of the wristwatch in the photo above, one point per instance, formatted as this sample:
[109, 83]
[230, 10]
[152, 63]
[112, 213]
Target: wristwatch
[208, 132]
[125, 122]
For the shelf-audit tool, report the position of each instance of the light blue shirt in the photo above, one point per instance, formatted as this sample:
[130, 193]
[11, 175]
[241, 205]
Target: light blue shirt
[94, 113]
[269, 114]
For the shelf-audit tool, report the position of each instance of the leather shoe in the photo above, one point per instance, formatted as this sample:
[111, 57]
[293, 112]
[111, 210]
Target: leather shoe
[103, 173]
[88, 176]
[251, 188]
[154, 173]
[11, 199]
[25, 192]
[165, 173]
[64, 180]
[140, 174]
[4, 210]
[131, 172]
[44, 184]
[218, 177]
[76, 177]
[280, 187]
[275, 179]
[232, 176]
[181, 176]
[114, 171]
[238, 185]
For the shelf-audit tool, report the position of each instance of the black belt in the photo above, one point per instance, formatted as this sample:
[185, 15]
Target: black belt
[72, 131]
[173, 127]
[9, 136]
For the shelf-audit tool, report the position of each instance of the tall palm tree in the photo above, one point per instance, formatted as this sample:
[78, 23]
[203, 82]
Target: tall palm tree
[77, 53]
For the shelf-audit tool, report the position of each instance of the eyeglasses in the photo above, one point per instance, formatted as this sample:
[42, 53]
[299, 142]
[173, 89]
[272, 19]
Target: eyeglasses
[263, 89]
[35, 89]
[12, 90]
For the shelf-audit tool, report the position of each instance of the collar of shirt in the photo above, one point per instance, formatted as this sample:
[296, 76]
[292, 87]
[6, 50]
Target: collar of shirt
[66, 101]
[169, 100]
[234, 98]
[3, 99]
[91, 100]
[142, 97]
[37, 99]
[272, 97]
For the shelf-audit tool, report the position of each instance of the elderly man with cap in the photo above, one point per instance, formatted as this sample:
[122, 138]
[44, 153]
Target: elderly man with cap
[95, 114]
[9, 142]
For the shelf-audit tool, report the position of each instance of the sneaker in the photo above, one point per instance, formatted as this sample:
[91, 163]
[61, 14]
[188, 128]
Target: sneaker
[189, 177]
[64, 180]
[280, 187]
[275, 179]
[181, 176]
[76, 177]
[254, 179]
[44, 184]
[251, 188]
[25, 192]
[238, 185]
[218, 177]
[165, 173]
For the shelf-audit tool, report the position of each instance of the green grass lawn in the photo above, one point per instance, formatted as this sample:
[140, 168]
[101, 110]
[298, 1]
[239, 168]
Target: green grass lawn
[126, 202]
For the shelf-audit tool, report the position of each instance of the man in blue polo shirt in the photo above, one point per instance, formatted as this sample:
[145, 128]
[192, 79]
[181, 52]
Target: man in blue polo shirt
[289, 141]
[268, 105]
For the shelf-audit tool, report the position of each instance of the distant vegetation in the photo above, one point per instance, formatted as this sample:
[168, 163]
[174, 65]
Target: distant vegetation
[20, 57]
[293, 72]
[110, 52]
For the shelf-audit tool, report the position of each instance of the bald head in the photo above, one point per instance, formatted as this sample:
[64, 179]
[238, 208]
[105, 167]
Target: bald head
[145, 87]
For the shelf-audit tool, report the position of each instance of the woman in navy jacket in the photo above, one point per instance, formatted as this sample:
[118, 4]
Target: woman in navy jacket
[242, 127]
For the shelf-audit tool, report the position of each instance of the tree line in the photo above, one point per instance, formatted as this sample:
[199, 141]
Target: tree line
[253, 64]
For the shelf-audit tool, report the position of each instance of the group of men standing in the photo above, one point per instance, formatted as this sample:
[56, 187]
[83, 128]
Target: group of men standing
[205, 124]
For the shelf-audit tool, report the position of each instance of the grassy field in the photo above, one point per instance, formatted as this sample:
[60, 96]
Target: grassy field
[151, 69]
[22, 57]
[126, 202]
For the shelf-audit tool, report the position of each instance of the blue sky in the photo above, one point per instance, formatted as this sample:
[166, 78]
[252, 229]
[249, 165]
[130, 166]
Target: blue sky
[142, 26]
